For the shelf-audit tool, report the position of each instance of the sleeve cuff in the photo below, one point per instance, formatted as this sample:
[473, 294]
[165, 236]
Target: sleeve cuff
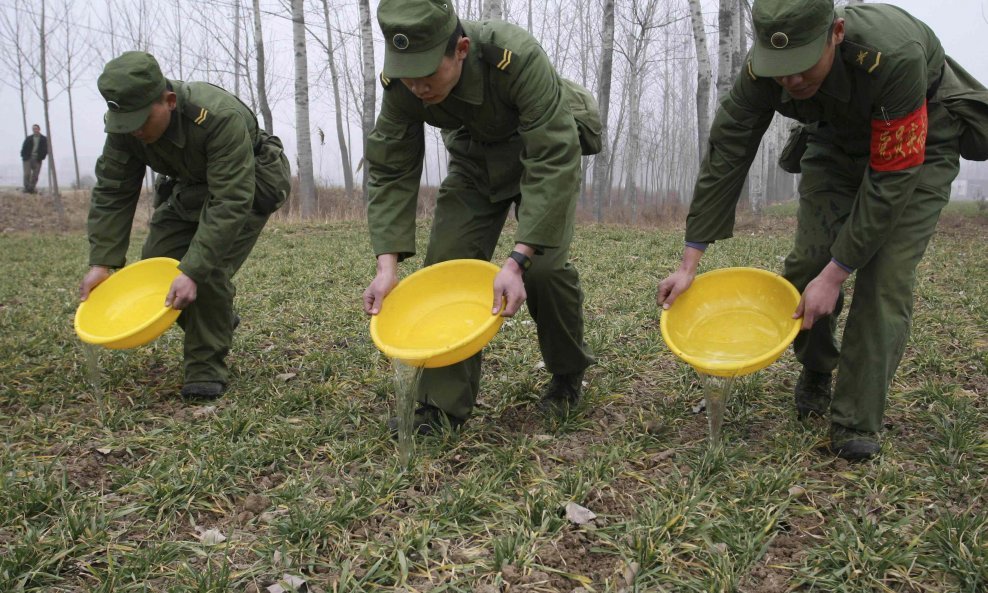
[697, 245]
[847, 269]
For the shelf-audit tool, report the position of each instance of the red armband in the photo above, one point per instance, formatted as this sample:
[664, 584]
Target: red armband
[899, 143]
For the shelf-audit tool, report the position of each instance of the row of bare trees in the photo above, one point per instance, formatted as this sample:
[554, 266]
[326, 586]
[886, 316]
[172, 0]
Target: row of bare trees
[648, 62]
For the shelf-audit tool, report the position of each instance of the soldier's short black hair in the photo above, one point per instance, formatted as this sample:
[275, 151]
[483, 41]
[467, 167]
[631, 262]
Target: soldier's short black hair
[454, 39]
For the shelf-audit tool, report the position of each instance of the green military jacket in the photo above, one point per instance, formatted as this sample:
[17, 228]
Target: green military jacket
[210, 141]
[505, 123]
[873, 102]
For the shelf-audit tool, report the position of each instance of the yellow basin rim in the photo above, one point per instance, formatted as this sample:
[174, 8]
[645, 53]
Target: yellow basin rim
[778, 300]
[140, 334]
[456, 351]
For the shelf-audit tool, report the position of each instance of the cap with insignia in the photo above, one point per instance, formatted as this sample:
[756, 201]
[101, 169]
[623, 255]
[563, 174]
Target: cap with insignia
[415, 35]
[790, 35]
[130, 83]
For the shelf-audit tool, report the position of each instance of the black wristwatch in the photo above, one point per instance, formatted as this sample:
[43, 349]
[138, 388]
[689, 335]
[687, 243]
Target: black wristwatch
[524, 262]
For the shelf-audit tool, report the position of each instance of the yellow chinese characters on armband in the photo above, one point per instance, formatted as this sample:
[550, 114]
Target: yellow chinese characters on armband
[899, 143]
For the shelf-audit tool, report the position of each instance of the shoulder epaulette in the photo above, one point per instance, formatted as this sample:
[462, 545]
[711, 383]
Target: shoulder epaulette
[861, 56]
[751, 72]
[385, 81]
[499, 57]
[198, 115]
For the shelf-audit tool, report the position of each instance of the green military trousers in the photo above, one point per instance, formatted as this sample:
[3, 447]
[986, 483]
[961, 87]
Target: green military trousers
[467, 225]
[208, 322]
[880, 314]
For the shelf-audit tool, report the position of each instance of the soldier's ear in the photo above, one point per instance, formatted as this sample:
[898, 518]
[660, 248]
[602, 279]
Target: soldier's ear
[838, 31]
[463, 47]
[171, 100]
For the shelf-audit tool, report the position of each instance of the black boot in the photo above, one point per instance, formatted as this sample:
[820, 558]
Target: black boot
[203, 390]
[561, 394]
[812, 394]
[853, 445]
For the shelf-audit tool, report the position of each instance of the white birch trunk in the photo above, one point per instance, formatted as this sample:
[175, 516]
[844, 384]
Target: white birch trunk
[741, 46]
[179, 42]
[703, 76]
[307, 188]
[69, 83]
[236, 47]
[727, 46]
[262, 87]
[370, 80]
[46, 102]
[601, 162]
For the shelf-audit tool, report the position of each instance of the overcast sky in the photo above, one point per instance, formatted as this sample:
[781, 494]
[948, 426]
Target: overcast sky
[962, 26]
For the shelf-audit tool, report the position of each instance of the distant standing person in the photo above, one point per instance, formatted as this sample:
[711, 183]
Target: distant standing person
[515, 131]
[219, 179]
[33, 151]
[888, 116]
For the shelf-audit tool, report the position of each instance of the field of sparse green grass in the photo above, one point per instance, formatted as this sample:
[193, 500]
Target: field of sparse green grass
[295, 469]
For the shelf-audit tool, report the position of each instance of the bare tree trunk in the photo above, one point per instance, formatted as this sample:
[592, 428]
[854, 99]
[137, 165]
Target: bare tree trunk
[370, 80]
[744, 14]
[727, 46]
[68, 7]
[236, 47]
[262, 91]
[634, 144]
[686, 168]
[639, 39]
[602, 161]
[46, 101]
[335, 79]
[585, 57]
[75, 150]
[756, 196]
[740, 28]
[179, 42]
[612, 165]
[113, 38]
[251, 88]
[666, 130]
[703, 76]
[307, 186]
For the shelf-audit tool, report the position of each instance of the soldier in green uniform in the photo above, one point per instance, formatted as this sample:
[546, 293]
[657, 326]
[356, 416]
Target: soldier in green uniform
[220, 178]
[515, 131]
[888, 115]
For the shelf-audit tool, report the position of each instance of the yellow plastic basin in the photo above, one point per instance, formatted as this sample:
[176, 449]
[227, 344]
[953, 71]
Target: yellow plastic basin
[732, 321]
[440, 315]
[128, 308]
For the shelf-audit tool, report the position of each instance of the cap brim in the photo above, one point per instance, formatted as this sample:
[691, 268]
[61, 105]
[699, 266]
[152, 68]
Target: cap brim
[400, 64]
[769, 62]
[118, 122]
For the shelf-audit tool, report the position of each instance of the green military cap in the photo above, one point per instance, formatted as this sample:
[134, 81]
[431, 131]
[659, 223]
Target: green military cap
[130, 83]
[790, 35]
[415, 35]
